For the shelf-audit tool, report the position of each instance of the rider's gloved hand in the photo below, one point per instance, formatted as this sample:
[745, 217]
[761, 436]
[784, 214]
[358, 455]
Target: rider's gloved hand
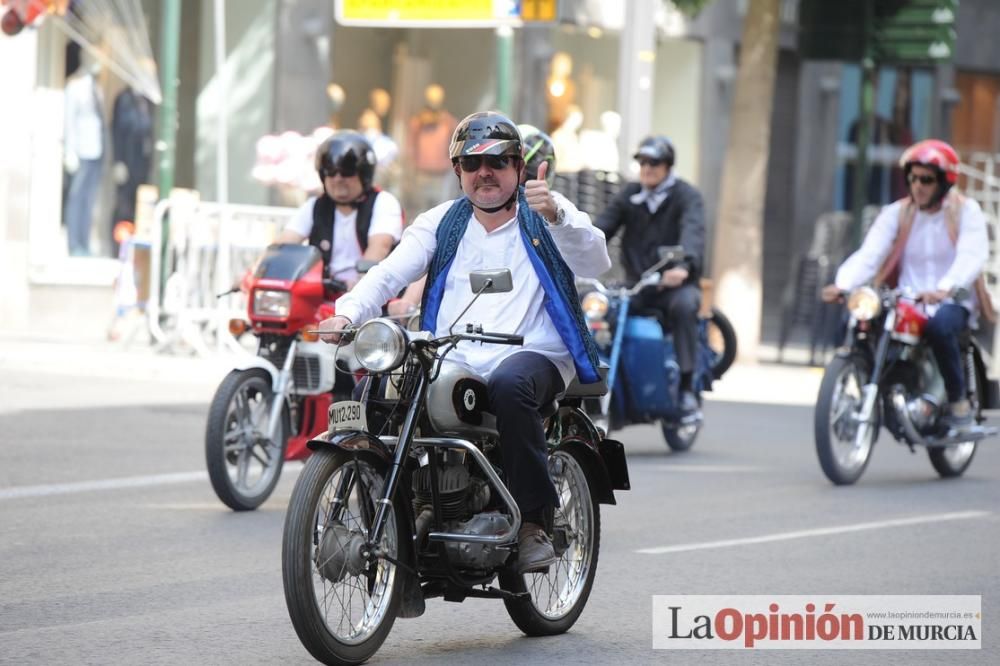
[330, 329]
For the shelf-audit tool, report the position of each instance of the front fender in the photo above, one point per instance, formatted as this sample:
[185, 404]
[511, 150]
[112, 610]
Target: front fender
[248, 361]
[353, 441]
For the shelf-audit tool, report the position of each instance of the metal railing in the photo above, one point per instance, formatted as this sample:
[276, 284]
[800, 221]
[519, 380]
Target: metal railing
[210, 246]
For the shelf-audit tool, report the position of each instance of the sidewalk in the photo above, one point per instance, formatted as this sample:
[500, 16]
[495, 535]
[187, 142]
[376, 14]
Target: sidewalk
[761, 383]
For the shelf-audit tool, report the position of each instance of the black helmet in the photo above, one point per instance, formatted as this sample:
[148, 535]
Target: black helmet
[485, 133]
[538, 148]
[347, 150]
[656, 148]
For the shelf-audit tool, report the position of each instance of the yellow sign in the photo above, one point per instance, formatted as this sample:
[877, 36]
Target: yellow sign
[538, 10]
[428, 13]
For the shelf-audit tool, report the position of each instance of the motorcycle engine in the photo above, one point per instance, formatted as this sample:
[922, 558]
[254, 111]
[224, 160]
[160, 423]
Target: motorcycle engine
[462, 497]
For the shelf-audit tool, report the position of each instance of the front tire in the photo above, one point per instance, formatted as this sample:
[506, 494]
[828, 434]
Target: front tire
[243, 465]
[342, 603]
[680, 436]
[842, 457]
[555, 599]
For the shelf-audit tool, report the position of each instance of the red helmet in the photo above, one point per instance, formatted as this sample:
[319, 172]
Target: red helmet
[935, 154]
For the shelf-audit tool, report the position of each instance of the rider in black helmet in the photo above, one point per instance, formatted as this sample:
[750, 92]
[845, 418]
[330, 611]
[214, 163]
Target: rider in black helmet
[543, 240]
[661, 209]
[352, 219]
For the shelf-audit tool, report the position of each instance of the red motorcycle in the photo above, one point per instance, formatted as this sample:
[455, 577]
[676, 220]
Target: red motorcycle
[272, 403]
[886, 373]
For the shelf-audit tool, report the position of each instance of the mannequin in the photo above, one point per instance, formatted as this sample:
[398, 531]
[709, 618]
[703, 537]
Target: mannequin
[83, 153]
[599, 148]
[560, 91]
[132, 146]
[429, 134]
[336, 95]
[569, 156]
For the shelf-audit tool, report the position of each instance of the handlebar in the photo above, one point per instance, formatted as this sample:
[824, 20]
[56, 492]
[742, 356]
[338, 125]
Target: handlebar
[331, 284]
[647, 280]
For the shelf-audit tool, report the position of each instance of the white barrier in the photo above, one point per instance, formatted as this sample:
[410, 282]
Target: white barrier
[209, 248]
[981, 181]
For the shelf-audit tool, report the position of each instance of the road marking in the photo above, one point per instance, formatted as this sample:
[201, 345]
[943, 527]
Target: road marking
[822, 531]
[20, 492]
[704, 468]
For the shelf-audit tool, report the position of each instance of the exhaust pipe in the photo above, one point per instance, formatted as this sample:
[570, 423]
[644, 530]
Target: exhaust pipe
[972, 434]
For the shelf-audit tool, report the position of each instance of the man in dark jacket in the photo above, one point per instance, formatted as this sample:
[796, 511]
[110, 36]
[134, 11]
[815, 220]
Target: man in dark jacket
[661, 210]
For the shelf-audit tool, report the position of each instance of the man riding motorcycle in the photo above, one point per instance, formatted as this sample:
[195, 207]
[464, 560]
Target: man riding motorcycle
[933, 243]
[497, 224]
[351, 219]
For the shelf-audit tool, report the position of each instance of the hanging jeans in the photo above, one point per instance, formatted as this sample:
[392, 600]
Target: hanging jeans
[80, 205]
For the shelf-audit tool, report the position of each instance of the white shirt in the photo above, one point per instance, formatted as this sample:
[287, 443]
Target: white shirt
[387, 218]
[520, 311]
[84, 119]
[930, 260]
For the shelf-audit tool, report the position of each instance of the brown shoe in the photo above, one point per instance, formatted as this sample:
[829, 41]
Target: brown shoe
[534, 549]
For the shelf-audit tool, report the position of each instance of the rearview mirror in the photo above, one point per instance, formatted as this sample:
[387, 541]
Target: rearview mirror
[496, 281]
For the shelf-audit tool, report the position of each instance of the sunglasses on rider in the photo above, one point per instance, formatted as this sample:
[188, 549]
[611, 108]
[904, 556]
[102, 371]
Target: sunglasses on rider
[343, 172]
[471, 163]
[924, 180]
[646, 161]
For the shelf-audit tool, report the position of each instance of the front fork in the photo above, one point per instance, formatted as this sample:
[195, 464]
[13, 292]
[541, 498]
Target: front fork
[616, 349]
[281, 389]
[869, 392]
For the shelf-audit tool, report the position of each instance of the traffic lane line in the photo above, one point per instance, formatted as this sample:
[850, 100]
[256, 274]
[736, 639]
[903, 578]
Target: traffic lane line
[817, 532]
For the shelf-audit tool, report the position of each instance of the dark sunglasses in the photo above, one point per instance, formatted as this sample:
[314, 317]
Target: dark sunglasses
[645, 161]
[924, 180]
[343, 172]
[470, 163]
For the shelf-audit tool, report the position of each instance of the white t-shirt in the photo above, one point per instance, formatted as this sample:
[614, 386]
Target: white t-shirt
[387, 218]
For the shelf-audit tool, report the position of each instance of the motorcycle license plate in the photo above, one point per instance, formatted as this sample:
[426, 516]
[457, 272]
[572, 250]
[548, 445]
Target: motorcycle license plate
[347, 415]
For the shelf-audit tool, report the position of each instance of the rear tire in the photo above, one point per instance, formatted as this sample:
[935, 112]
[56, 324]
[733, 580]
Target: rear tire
[679, 437]
[242, 465]
[951, 462]
[556, 599]
[722, 342]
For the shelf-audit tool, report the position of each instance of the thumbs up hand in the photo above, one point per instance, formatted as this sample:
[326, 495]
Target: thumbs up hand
[539, 198]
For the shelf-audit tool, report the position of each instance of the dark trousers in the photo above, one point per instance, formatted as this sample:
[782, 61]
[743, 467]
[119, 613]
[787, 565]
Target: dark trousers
[942, 333]
[519, 386]
[679, 306]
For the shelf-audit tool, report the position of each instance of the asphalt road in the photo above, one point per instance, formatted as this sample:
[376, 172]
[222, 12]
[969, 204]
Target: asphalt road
[114, 549]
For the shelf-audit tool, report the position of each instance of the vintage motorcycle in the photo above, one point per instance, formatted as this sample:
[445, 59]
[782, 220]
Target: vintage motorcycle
[385, 516]
[272, 403]
[643, 375]
[885, 373]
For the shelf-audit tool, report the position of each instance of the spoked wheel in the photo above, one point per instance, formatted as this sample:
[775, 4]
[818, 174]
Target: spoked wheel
[243, 464]
[722, 341]
[555, 599]
[680, 436]
[342, 592]
[843, 445]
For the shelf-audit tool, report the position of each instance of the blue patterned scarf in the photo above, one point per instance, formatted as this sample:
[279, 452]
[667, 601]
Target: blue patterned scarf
[562, 302]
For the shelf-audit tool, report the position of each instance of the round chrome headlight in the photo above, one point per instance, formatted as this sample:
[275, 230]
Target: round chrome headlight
[380, 345]
[864, 304]
[595, 305]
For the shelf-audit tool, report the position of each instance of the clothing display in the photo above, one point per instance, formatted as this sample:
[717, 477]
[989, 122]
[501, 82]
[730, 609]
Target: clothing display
[132, 145]
[84, 155]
